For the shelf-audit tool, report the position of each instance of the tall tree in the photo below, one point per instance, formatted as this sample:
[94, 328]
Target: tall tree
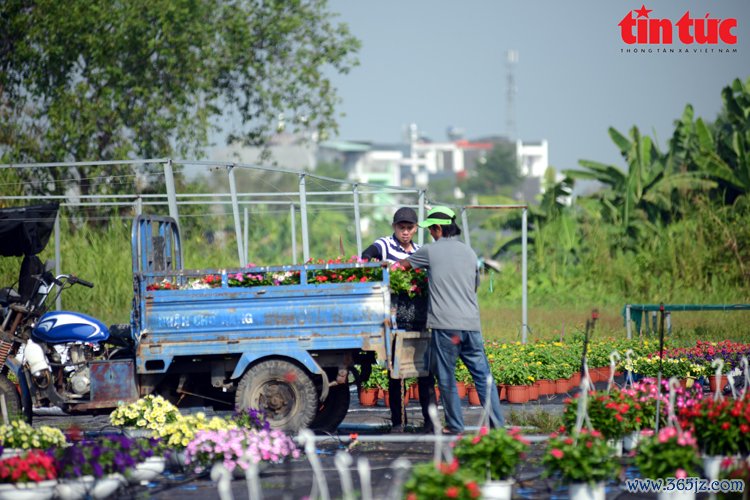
[100, 80]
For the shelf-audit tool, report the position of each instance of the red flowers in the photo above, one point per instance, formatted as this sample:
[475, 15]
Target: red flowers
[558, 453]
[35, 466]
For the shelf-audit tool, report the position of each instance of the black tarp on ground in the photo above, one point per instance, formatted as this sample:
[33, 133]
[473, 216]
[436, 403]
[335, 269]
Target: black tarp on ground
[26, 230]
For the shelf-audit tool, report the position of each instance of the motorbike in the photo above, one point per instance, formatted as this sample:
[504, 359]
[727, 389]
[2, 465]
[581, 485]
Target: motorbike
[45, 356]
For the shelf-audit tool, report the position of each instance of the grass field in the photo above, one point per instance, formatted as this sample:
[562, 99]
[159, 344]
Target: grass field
[503, 323]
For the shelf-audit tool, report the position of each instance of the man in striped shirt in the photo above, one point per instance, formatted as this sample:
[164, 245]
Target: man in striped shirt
[393, 249]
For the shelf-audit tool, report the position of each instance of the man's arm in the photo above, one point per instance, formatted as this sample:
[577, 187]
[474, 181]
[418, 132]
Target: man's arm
[372, 252]
[405, 264]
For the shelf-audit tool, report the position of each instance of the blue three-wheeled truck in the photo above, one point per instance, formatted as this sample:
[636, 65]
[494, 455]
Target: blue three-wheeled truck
[292, 350]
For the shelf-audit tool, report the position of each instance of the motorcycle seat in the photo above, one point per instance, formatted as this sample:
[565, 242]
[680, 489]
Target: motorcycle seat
[119, 335]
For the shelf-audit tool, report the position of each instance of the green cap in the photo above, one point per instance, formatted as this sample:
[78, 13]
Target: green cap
[440, 216]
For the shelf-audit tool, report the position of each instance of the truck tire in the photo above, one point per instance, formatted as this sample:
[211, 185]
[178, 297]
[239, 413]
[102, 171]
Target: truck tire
[12, 399]
[332, 411]
[283, 390]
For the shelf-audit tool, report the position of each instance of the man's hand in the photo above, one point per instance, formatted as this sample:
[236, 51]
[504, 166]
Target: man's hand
[404, 264]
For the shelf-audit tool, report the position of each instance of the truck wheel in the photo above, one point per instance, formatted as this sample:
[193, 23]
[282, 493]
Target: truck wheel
[283, 390]
[332, 411]
[12, 399]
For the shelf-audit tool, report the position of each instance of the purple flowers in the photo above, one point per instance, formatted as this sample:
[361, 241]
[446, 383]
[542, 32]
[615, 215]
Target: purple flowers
[108, 455]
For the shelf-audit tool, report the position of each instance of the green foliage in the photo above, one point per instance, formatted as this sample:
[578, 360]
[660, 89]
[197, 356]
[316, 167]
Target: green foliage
[412, 282]
[544, 421]
[95, 80]
[578, 459]
[668, 454]
[444, 481]
[378, 379]
[605, 413]
[491, 455]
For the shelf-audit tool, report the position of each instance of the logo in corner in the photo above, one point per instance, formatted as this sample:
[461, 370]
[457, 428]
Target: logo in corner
[638, 27]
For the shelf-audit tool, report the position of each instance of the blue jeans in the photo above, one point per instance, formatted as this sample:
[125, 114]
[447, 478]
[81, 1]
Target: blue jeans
[447, 347]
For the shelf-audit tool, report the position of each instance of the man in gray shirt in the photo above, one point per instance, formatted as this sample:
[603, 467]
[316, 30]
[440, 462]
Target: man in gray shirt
[453, 315]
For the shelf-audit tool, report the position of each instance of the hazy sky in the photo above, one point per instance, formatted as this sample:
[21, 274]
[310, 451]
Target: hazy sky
[441, 63]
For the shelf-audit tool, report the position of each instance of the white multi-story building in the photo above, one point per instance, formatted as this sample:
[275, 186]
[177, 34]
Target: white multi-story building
[533, 157]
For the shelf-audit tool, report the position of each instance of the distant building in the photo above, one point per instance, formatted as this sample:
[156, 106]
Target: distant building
[533, 157]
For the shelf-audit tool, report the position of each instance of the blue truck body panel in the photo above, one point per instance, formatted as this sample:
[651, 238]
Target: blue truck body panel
[247, 324]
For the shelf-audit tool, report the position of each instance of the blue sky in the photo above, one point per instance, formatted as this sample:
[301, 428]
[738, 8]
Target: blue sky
[441, 63]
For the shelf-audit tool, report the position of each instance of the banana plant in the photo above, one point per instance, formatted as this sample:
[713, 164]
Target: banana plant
[723, 151]
[642, 196]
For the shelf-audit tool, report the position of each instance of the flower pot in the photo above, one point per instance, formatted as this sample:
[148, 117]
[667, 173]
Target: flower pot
[498, 489]
[616, 446]
[176, 460]
[368, 397]
[137, 432]
[630, 441]
[471, 391]
[414, 394]
[585, 491]
[712, 382]
[533, 392]
[546, 387]
[89, 487]
[43, 490]
[574, 381]
[501, 392]
[461, 388]
[12, 452]
[561, 386]
[147, 471]
[676, 495]
[386, 398]
[517, 393]
[712, 466]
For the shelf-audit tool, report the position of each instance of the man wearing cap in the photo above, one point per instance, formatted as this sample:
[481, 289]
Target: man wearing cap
[453, 315]
[392, 249]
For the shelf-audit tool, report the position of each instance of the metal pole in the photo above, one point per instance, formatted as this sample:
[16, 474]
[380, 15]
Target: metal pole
[245, 237]
[668, 317]
[628, 327]
[293, 222]
[465, 224]
[303, 217]
[420, 234]
[236, 215]
[171, 193]
[139, 206]
[357, 226]
[524, 277]
[58, 259]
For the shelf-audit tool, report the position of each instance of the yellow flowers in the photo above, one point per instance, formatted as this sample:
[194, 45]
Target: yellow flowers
[178, 434]
[150, 412]
[19, 434]
[166, 421]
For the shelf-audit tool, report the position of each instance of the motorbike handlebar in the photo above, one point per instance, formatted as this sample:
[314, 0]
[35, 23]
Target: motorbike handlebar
[76, 279]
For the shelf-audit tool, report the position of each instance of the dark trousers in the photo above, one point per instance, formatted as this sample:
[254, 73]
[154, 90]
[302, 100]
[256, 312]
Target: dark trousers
[426, 387]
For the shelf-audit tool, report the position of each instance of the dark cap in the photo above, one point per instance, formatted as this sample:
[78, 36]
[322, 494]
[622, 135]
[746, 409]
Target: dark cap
[405, 214]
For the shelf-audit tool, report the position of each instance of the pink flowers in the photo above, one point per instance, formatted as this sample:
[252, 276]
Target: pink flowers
[239, 447]
[557, 453]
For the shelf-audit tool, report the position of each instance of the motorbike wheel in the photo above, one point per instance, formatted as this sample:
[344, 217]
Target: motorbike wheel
[12, 399]
[283, 390]
[332, 411]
